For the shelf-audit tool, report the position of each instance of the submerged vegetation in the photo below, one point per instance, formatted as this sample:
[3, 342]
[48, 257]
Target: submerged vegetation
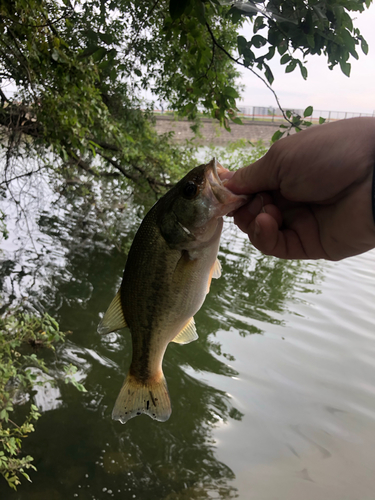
[22, 368]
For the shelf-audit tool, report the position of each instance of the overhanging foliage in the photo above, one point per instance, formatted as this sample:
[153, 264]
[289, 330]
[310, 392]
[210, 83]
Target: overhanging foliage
[81, 69]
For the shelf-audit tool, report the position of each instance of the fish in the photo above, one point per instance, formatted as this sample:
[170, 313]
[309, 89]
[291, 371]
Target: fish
[167, 276]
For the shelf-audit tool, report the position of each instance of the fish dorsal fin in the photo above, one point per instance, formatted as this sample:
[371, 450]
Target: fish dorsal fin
[113, 318]
[216, 269]
[187, 334]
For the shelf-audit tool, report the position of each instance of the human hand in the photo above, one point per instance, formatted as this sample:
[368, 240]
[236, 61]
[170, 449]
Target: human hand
[313, 193]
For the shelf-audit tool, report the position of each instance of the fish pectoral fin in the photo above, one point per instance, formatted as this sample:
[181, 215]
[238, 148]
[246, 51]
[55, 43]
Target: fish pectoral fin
[136, 397]
[187, 334]
[216, 269]
[113, 318]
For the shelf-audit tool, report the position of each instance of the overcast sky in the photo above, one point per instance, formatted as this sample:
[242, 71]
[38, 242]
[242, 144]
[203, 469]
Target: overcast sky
[324, 89]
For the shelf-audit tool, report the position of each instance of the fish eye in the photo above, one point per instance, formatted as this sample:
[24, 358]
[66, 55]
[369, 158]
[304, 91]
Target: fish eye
[190, 190]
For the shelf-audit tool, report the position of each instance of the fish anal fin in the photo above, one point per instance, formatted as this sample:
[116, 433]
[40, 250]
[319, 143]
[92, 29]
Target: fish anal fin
[136, 397]
[113, 318]
[187, 334]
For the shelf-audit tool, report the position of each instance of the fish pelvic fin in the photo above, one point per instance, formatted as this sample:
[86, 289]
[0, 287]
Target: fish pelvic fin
[215, 272]
[137, 397]
[187, 334]
[113, 318]
[216, 269]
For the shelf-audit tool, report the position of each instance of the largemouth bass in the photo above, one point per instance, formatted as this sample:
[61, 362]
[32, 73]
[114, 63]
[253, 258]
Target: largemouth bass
[168, 273]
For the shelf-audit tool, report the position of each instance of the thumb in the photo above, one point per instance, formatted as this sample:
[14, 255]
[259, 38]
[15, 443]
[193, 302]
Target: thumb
[257, 177]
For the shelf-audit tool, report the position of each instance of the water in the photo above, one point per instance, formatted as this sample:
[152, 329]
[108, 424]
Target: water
[275, 401]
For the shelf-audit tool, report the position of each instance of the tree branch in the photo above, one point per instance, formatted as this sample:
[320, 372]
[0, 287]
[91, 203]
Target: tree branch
[47, 25]
[116, 165]
[3, 97]
[14, 119]
[27, 174]
[237, 61]
[153, 183]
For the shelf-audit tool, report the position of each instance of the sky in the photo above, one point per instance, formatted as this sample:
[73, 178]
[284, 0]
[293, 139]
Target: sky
[324, 89]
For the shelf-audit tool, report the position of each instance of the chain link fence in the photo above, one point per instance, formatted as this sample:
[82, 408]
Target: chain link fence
[274, 114]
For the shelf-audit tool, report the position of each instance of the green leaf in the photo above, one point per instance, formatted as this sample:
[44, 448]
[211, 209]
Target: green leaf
[248, 56]
[258, 41]
[345, 68]
[241, 44]
[268, 74]
[177, 8]
[347, 21]
[200, 11]
[258, 24]
[99, 54]
[364, 46]
[236, 120]
[231, 92]
[282, 47]
[235, 14]
[183, 39]
[277, 135]
[308, 111]
[321, 120]
[349, 42]
[89, 50]
[275, 37]
[4, 415]
[188, 108]
[285, 58]
[291, 66]
[311, 41]
[270, 54]
[55, 55]
[303, 70]
[106, 38]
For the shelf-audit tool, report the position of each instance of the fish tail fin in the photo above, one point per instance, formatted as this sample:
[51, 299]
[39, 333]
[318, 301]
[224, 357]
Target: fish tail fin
[137, 397]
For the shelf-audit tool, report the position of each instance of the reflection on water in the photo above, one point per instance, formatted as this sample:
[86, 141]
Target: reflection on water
[276, 400]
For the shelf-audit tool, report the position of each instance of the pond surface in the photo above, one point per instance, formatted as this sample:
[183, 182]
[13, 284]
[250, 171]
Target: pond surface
[275, 401]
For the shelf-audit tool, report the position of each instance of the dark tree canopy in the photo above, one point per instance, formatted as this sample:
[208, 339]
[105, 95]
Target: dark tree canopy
[80, 69]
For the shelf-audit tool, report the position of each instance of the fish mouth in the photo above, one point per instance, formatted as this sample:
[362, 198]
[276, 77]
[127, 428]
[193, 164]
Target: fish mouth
[213, 176]
[216, 170]
[223, 199]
